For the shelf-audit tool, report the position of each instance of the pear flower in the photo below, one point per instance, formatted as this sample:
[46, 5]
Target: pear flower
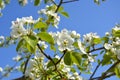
[2, 39]
[88, 38]
[65, 41]
[21, 26]
[1, 69]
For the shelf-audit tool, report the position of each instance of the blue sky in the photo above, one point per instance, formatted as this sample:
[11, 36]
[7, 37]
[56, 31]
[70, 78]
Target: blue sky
[85, 17]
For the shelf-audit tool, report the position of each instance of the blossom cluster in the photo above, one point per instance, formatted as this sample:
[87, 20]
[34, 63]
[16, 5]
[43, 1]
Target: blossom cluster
[22, 26]
[114, 44]
[50, 12]
[65, 39]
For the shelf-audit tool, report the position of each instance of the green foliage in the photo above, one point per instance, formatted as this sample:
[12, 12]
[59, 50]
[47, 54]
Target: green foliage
[76, 58]
[117, 71]
[19, 44]
[67, 59]
[31, 42]
[96, 40]
[37, 2]
[46, 37]
[50, 63]
[65, 14]
[107, 58]
[40, 25]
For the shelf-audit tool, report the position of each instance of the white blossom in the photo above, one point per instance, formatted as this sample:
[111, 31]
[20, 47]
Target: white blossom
[21, 26]
[65, 41]
[17, 58]
[1, 69]
[42, 43]
[107, 46]
[2, 39]
[81, 47]
[88, 38]
[116, 28]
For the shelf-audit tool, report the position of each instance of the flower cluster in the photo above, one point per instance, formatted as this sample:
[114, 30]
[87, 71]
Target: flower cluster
[88, 38]
[2, 39]
[114, 44]
[50, 12]
[65, 39]
[22, 26]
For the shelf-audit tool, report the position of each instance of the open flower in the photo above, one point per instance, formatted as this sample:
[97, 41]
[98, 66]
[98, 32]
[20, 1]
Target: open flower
[65, 41]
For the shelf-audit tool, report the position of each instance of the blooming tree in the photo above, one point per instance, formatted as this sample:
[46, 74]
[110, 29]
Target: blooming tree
[72, 53]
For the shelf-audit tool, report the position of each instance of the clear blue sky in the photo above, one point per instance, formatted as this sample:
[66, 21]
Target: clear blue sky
[85, 17]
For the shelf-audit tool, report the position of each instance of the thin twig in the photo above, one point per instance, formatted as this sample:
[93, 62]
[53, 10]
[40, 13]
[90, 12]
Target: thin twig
[26, 63]
[107, 76]
[69, 1]
[1, 77]
[105, 73]
[60, 3]
[96, 49]
[61, 57]
[53, 2]
[95, 69]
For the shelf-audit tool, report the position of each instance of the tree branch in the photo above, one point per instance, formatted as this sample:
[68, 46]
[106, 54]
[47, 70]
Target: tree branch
[95, 70]
[107, 76]
[61, 57]
[60, 3]
[113, 66]
[96, 49]
[53, 2]
[69, 1]
[26, 63]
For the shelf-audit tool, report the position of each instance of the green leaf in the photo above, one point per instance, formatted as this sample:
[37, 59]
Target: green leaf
[97, 2]
[40, 25]
[67, 59]
[116, 33]
[36, 2]
[31, 42]
[65, 14]
[50, 63]
[52, 47]
[105, 39]
[106, 59]
[19, 44]
[46, 1]
[76, 58]
[117, 72]
[97, 40]
[60, 9]
[75, 44]
[46, 37]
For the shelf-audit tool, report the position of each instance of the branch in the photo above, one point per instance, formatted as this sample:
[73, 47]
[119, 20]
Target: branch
[26, 63]
[104, 74]
[96, 49]
[49, 58]
[69, 1]
[53, 2]
[60, 3]
[95, 70]
[61, 57]
[107, 76]
[1, 77]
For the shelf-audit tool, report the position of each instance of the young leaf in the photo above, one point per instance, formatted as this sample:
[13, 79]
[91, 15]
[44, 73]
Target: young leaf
[97, 40]
[40, 25]
[65, 14]
[31, 43]
[117, 72]
[76, 58]
[19, 44]
[67, 59]
[46, 37]
[36, 2]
